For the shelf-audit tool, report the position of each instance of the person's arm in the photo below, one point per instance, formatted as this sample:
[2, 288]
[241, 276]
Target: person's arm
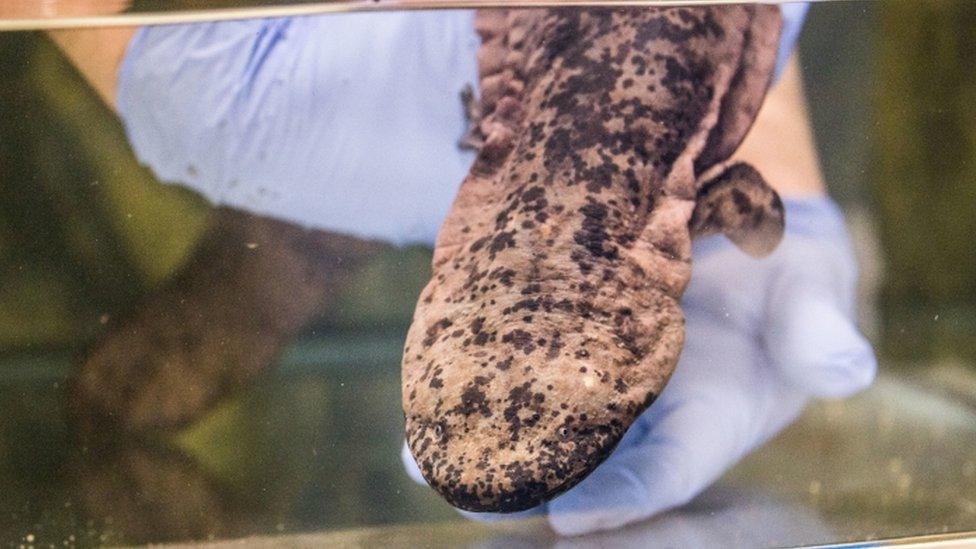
[97, 54]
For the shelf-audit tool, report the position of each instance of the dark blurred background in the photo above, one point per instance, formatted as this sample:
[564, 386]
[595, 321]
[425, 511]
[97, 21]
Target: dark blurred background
[85, 232]
[891, 87]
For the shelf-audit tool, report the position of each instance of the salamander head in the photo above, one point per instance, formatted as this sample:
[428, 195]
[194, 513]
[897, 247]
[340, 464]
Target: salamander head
[516, 412]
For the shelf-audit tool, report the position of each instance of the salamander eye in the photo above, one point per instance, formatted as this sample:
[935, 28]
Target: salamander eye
[563, 432]
[439, 430]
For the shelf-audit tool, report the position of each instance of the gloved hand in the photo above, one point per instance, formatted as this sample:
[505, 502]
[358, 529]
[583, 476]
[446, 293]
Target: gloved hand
[762, 337]
[346, 123]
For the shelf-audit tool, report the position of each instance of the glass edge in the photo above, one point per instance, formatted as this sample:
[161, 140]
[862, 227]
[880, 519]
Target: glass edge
[939, 541]
[346, 6]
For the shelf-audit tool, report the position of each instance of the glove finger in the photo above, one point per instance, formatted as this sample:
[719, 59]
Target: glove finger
[410, 464]
[817, 348]
[692, 438]
[501, 517]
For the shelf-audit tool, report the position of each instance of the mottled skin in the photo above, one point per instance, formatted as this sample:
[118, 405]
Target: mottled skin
[552, 318]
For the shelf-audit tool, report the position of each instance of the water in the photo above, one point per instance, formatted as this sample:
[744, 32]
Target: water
[308, 452]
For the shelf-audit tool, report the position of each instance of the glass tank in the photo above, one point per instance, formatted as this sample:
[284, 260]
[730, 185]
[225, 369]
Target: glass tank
[218, 220]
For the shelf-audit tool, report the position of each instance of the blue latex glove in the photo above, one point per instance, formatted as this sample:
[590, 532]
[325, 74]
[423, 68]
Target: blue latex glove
[347, 123]
[762, 337]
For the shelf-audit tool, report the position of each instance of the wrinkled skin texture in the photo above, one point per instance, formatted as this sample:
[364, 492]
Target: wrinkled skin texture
[552, 318]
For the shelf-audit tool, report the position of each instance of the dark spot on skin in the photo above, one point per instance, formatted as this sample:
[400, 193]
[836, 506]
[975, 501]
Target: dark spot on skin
[477, 324]
[532, 289]
[435, 329]
[478, 244]
[473, 399]
[525, 304]
[520, 340]
[533, 194]
[593, 233]
[503, 275]
[742, 202]
[554, 346]
[502, 240]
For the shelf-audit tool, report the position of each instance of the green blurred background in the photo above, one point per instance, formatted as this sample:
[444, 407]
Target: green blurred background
[892, 89]
[86, 232]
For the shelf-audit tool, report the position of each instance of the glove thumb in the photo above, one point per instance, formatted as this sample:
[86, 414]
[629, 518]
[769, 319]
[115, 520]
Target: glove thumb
[817, 348]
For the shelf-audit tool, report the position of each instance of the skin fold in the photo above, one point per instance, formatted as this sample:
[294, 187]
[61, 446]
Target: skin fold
[552, 318]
